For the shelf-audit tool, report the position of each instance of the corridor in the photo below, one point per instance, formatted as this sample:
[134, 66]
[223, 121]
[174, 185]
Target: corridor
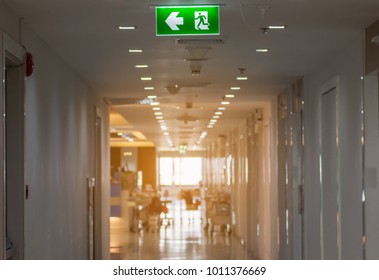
[183, 239]
[217, 130]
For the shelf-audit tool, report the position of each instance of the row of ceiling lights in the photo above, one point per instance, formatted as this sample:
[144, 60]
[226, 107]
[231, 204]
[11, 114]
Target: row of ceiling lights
[159, 115]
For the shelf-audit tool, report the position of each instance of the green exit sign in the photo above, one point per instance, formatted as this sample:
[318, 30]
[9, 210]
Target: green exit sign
[187, 20]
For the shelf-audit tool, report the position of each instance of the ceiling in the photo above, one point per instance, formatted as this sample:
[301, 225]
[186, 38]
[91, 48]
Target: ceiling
[85, 34]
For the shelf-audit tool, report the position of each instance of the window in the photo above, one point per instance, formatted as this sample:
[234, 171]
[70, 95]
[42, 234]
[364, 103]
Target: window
[180, 171]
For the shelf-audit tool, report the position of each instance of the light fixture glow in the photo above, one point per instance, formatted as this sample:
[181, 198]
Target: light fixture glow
[210, 126]
[127, 27]
[261, 50]
[148, 88]
[161, 121]
[159, 117]
[146, 78]
[213, 121]
[230, 96]
[218, 113]
[156, 109]
[152, 96]
[276, 26]
[216, 117]
[225, 103]
[235, 88]
[221, 108]
[141, 66]
[135, 51]
[154, 103]
[158, 113]
[241, 78]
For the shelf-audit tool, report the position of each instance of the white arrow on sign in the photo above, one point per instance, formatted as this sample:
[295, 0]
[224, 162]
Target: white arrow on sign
[173, 21]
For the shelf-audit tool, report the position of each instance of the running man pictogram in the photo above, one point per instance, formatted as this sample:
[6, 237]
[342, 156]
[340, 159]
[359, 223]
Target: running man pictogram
[201, 21]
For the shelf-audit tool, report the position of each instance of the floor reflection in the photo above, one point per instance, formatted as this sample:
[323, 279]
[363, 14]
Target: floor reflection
[182, 239]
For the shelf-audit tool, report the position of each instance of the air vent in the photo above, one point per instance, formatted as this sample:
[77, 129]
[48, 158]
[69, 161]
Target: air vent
[199, 41]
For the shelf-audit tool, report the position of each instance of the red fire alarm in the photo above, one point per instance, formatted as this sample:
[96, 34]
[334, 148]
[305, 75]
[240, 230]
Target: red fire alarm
[29, 64]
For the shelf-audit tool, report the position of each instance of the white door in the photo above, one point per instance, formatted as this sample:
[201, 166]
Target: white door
[330, 215]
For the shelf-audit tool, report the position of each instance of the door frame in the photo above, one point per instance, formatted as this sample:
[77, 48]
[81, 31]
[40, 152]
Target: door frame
[14, 53]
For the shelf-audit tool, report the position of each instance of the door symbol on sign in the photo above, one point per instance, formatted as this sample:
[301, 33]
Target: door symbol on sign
[201, 21]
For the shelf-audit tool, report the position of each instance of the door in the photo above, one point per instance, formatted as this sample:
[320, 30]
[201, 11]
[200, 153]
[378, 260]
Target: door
[97, 189]
[330, 215]
[12, 150]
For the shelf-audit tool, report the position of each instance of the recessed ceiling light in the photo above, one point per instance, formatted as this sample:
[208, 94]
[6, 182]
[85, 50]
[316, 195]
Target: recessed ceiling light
[221, 108]
[160, 121]
[213, 121]
[241, 78]
[262, 50]
[210, 126]
[166, 134]
[127, 27]
[158, 113]
[235, 88]
[276, 26]
[230, 96]
[148, 88]
[225, 103]
[159, 117]
[218, 113]
[151, 96]
[156, 109]
[154, 103]
[141, 66]
[146, 79]
[119, 134]
[135, 51]
[216, 117]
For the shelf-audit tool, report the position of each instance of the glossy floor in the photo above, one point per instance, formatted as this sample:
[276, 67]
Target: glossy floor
[183, 239]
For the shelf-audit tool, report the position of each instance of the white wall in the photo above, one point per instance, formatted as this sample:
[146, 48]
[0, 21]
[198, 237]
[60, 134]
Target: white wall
[59, 153]
[348, 65]
[371, 103]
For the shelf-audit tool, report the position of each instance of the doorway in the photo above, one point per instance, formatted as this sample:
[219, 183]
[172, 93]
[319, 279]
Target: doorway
[12, 150]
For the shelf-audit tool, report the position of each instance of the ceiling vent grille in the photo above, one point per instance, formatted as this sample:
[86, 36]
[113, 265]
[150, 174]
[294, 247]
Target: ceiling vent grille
[199, 41]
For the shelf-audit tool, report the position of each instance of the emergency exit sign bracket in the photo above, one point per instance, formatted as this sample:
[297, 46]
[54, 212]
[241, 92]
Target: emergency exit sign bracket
[187, 20]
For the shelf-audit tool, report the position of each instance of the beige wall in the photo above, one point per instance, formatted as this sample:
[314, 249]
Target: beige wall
[147, 163]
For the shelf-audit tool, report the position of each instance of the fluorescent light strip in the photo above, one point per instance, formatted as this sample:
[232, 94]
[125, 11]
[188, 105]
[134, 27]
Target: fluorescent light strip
[156, 109]
[216, 117]
[261, 50]
[221, 108]
[148, 88]
[141, 66]
[230, 96]
[235, 88]
[225, 103]
[154, 103]
[146, 78]
[159, 117]
[135, 51]
[127, 27]
[158, 113]
[218, 113]
[241, 78]
[152, 96]
[276, 26]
